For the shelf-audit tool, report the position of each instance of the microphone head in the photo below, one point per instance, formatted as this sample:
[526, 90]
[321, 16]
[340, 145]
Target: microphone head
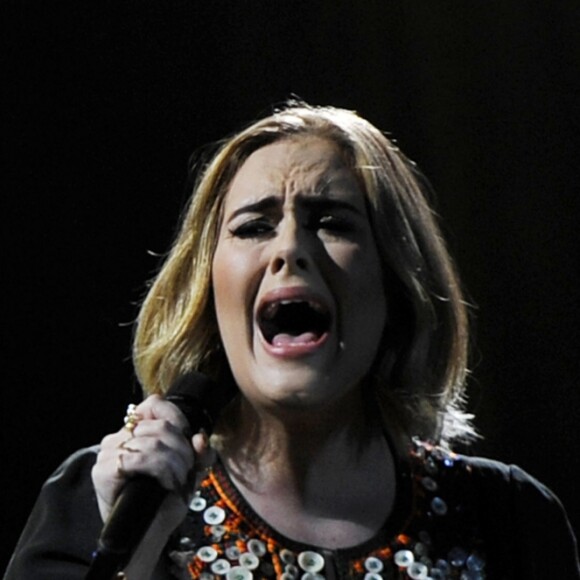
[199, 399]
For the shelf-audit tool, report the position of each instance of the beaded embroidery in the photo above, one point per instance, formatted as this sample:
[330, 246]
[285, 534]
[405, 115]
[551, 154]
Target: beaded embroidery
[222, 539]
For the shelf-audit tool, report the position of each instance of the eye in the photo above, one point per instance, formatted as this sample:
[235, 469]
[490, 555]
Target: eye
[335, 224]
[253, 228]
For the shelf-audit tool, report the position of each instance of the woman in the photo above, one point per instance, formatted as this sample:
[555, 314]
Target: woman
[310, 277]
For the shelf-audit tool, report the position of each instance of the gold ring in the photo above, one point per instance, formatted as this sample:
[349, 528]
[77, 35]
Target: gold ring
[132, 418]
[120, 468]
[123, 445]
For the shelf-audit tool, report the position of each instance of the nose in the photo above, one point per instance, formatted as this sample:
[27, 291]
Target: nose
[290, 250]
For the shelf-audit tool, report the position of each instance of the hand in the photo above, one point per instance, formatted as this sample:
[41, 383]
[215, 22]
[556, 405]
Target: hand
[156, 447]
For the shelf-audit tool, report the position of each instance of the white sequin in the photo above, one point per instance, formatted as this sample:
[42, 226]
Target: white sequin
[249, 561]
[404, 558]
[198, 504]
[457, 556]
[217, 531]
[287, 556]
[429, 484]
[475, 563]
[257, 547]
[438, 506]
[220, 567]
[207, 554]
[233, 552]
[312, 576]
[310, 561]
[417, 571]
[291, 570]
[239, 573]
[373, 565]
[214, 515]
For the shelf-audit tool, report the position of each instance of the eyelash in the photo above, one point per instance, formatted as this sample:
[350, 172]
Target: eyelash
[254, 228]
[335, 224]
[260, 227]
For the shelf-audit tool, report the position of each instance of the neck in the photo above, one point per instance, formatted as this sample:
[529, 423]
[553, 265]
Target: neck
[323, 476]
[294, 444]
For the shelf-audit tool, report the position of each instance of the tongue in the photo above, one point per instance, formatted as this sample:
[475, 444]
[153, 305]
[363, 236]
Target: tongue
[285, 339]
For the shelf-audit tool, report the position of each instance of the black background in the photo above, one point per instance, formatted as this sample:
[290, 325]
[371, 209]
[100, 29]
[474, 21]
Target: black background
[105, 101]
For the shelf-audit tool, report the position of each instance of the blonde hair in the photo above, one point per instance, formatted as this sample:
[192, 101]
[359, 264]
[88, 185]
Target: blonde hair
[419, 376]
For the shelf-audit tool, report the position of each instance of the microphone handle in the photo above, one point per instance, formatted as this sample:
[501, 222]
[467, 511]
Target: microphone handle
[132, 514]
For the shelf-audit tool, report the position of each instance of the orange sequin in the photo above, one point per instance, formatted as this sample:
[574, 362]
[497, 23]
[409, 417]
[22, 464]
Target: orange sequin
[403, 539]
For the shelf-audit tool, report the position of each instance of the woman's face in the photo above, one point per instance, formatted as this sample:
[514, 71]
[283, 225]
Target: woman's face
[297, 280]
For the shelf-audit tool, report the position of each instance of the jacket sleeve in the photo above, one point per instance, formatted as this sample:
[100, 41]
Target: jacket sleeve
[526, 528]
[546, 540]
[62, 531]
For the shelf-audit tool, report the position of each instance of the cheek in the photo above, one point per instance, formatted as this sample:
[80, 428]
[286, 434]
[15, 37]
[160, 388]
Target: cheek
[229, 268]
[225, 276]
[362, 288]
[220, 274]
[359, 269]
[234, 277]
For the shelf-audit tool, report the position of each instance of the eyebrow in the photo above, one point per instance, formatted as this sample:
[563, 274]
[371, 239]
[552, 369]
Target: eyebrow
[273, 201]
[325, 203]
[264, 204]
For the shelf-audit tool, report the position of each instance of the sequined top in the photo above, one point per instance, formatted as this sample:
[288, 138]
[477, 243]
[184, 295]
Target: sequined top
[431, 533]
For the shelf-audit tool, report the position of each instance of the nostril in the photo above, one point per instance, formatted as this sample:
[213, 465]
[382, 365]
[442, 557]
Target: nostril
[280, 262]
[277, 264]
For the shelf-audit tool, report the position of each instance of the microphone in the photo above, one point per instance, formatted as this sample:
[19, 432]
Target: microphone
[197, 397]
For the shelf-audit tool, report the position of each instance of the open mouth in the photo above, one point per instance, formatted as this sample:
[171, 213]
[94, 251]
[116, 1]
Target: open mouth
[293, 322]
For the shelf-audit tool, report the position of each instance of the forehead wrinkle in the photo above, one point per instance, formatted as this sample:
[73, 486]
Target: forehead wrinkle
[321, 189]
[301, 177]
[295, 173]
[318, 179]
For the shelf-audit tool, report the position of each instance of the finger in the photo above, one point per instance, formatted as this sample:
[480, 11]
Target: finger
[165, 444]
[107, 478]
[158, 439]
[110, 445]
[107, 472]
[161, 436]
[163, 428]
[155, 407]
[200, 442]
[154, 459]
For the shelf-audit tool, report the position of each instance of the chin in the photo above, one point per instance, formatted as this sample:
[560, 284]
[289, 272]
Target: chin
[296, 394]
